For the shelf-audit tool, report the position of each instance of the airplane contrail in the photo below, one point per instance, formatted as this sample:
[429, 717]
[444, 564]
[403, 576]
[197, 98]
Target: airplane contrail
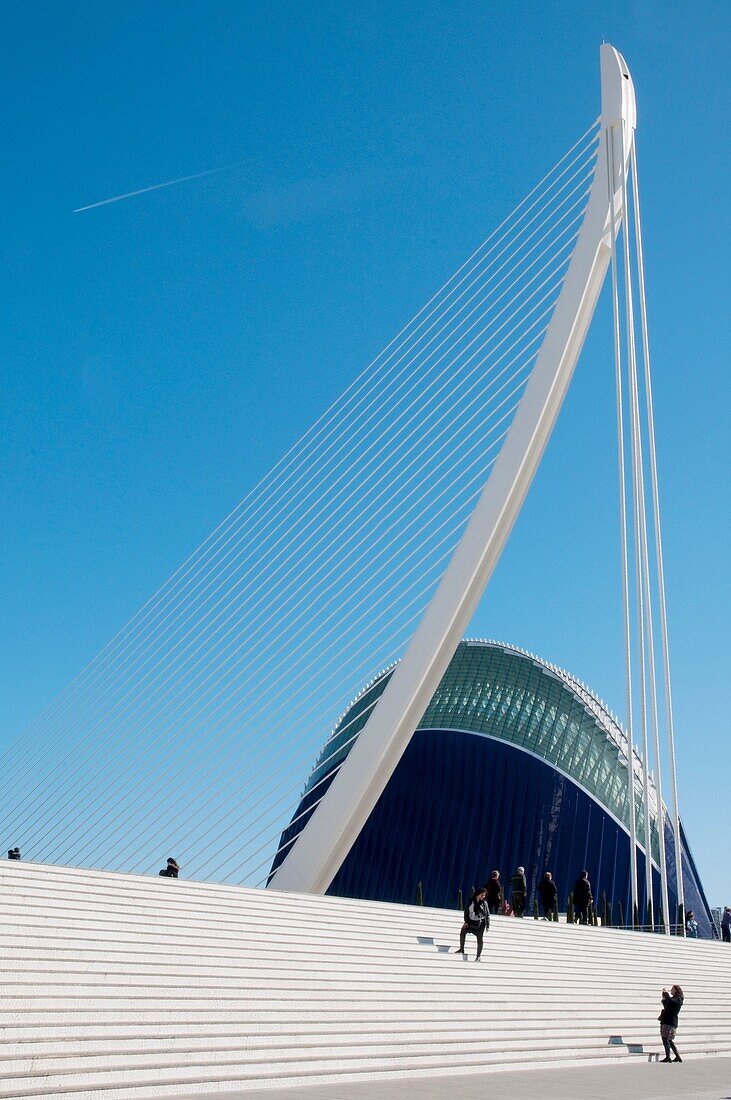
[154, 187]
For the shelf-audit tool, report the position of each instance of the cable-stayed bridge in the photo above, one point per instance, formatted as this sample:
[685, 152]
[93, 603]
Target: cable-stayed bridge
[371, 540]
[366, 548]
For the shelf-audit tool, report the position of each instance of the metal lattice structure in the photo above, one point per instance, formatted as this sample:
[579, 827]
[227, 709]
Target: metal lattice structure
[557, 740]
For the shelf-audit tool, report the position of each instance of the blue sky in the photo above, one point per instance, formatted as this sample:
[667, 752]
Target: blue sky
[159, 354]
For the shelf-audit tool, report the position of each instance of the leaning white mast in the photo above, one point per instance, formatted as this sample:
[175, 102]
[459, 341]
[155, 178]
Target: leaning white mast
[312, 863]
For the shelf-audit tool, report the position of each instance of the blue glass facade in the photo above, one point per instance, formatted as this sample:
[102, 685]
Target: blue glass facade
[514, 762]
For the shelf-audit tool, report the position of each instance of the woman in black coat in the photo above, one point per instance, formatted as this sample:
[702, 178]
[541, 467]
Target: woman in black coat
[476, 922]
[494, 891]
[548, 894]
[583, 897]
[672, 1003]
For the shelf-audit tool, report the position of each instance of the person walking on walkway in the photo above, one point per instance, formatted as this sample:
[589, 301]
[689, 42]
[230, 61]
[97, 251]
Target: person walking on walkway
[476, 921]
[583, 897]
[672, 1003]
[726, 924]
[548, 892]
[691, 926]
[518, 891]
[494, 891]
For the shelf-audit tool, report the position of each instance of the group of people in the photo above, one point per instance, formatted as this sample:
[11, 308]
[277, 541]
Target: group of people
[496, 901]
[491, 899]
[488, 899]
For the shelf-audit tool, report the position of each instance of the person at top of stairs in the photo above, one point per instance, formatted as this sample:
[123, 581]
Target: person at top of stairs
[172, 870]
[672, 1003]
[583, 897]
[726, 924]
[518, 891]
[476, 921]
[548, 892]
[494, 891]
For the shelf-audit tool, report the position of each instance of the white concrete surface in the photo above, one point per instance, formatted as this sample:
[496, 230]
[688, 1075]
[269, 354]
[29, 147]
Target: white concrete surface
[698, 1079]
[126, 986]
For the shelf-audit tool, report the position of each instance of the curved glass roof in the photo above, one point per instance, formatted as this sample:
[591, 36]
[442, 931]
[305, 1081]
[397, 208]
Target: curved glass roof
[499, 691]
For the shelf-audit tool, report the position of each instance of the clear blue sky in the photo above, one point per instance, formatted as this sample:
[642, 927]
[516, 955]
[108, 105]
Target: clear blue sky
[159, 354]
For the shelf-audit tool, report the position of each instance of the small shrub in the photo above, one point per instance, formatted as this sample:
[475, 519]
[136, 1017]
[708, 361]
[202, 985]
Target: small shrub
[419, 894]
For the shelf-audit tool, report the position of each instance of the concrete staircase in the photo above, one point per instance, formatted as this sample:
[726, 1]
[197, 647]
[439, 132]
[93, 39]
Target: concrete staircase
[126, 986]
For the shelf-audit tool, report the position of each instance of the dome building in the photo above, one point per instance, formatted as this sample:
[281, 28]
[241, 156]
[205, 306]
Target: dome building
[515, 762]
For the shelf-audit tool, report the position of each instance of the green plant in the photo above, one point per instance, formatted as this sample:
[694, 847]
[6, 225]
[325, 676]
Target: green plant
[535, 909]
[592, 916]
[635, 917]
[419, 894]
[460, 901]
[570, 909]
[620, 915]
[555, 911]
[650, 921]
[604, 907]
[610, 915]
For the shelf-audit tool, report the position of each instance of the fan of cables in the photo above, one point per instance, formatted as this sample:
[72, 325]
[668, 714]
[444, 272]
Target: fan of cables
[195, 729]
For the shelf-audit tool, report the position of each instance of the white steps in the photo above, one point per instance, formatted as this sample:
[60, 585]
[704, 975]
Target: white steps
[126, 986]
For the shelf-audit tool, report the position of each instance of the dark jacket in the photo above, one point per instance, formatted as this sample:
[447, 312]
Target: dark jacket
[548, 892]
[518, 884]
[582, 892]
[494, 890]
[671, 1006]
[476, 914]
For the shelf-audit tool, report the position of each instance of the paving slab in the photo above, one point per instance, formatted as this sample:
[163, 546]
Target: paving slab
[696, 1078]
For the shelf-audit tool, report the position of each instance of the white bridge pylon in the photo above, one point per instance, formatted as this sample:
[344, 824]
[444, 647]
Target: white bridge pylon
[314, 859]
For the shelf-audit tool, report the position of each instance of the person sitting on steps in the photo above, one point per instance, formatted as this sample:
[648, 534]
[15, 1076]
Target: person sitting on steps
[171, 871]
[476, 921]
